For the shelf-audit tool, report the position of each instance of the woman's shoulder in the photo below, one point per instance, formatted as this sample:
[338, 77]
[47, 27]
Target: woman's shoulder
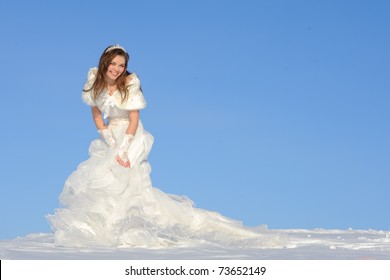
[87, 95]
[132, 79]
[92, 73]
[91, 76]
[135, 100]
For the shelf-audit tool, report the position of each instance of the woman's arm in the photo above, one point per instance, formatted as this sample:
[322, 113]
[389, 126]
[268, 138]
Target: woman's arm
[122, 157]
[133, 124]
[102, 128]
[97, 118]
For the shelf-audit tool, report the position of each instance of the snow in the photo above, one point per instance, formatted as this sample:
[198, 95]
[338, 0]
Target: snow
[301, 244]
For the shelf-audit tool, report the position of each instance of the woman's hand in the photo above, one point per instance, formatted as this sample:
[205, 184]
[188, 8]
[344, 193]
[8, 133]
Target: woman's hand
[122, 162]
[122, 157]
[107, 137]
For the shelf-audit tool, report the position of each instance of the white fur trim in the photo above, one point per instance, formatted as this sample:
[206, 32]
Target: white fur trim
[86, 96]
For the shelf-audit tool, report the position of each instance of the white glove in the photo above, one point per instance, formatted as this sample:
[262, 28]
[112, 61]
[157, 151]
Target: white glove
[107, 137]
[124, 147]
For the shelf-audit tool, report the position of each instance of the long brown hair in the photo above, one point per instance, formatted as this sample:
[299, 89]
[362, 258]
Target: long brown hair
[100, 83]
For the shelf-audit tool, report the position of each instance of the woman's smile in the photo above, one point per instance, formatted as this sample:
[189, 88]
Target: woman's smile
[116, 67]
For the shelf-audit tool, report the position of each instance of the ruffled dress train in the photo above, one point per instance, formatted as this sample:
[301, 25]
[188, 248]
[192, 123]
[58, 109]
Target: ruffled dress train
[105, 204]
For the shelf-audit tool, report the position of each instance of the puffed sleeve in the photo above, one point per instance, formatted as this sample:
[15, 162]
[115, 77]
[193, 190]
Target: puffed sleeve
[135, 100]
[86, 96]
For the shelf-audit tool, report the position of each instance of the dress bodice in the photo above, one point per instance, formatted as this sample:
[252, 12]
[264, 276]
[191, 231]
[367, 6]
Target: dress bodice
[107, 105]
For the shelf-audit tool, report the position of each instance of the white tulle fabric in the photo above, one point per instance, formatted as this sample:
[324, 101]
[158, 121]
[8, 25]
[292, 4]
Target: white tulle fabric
[105, 204]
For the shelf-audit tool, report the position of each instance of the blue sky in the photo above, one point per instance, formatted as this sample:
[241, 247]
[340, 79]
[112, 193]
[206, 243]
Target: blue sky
[269, 112]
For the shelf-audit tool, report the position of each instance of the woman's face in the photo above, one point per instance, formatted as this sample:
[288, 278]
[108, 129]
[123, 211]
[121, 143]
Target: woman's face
[116, 68]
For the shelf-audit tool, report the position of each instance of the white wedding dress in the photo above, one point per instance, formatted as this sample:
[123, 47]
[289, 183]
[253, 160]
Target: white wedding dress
[105, 204]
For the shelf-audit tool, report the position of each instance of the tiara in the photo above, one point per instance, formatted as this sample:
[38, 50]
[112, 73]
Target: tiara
[113, 47]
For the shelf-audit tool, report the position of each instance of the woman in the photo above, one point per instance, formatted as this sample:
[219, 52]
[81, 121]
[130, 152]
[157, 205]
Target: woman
[110, 201]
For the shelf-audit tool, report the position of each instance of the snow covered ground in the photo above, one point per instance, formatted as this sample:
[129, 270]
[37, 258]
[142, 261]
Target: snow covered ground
[302, 244]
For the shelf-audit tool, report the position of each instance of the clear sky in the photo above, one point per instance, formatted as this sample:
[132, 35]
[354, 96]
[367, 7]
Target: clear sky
[267, 111]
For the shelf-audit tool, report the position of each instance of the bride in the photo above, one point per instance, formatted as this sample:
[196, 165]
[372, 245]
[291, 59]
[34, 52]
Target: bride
[109, 199]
